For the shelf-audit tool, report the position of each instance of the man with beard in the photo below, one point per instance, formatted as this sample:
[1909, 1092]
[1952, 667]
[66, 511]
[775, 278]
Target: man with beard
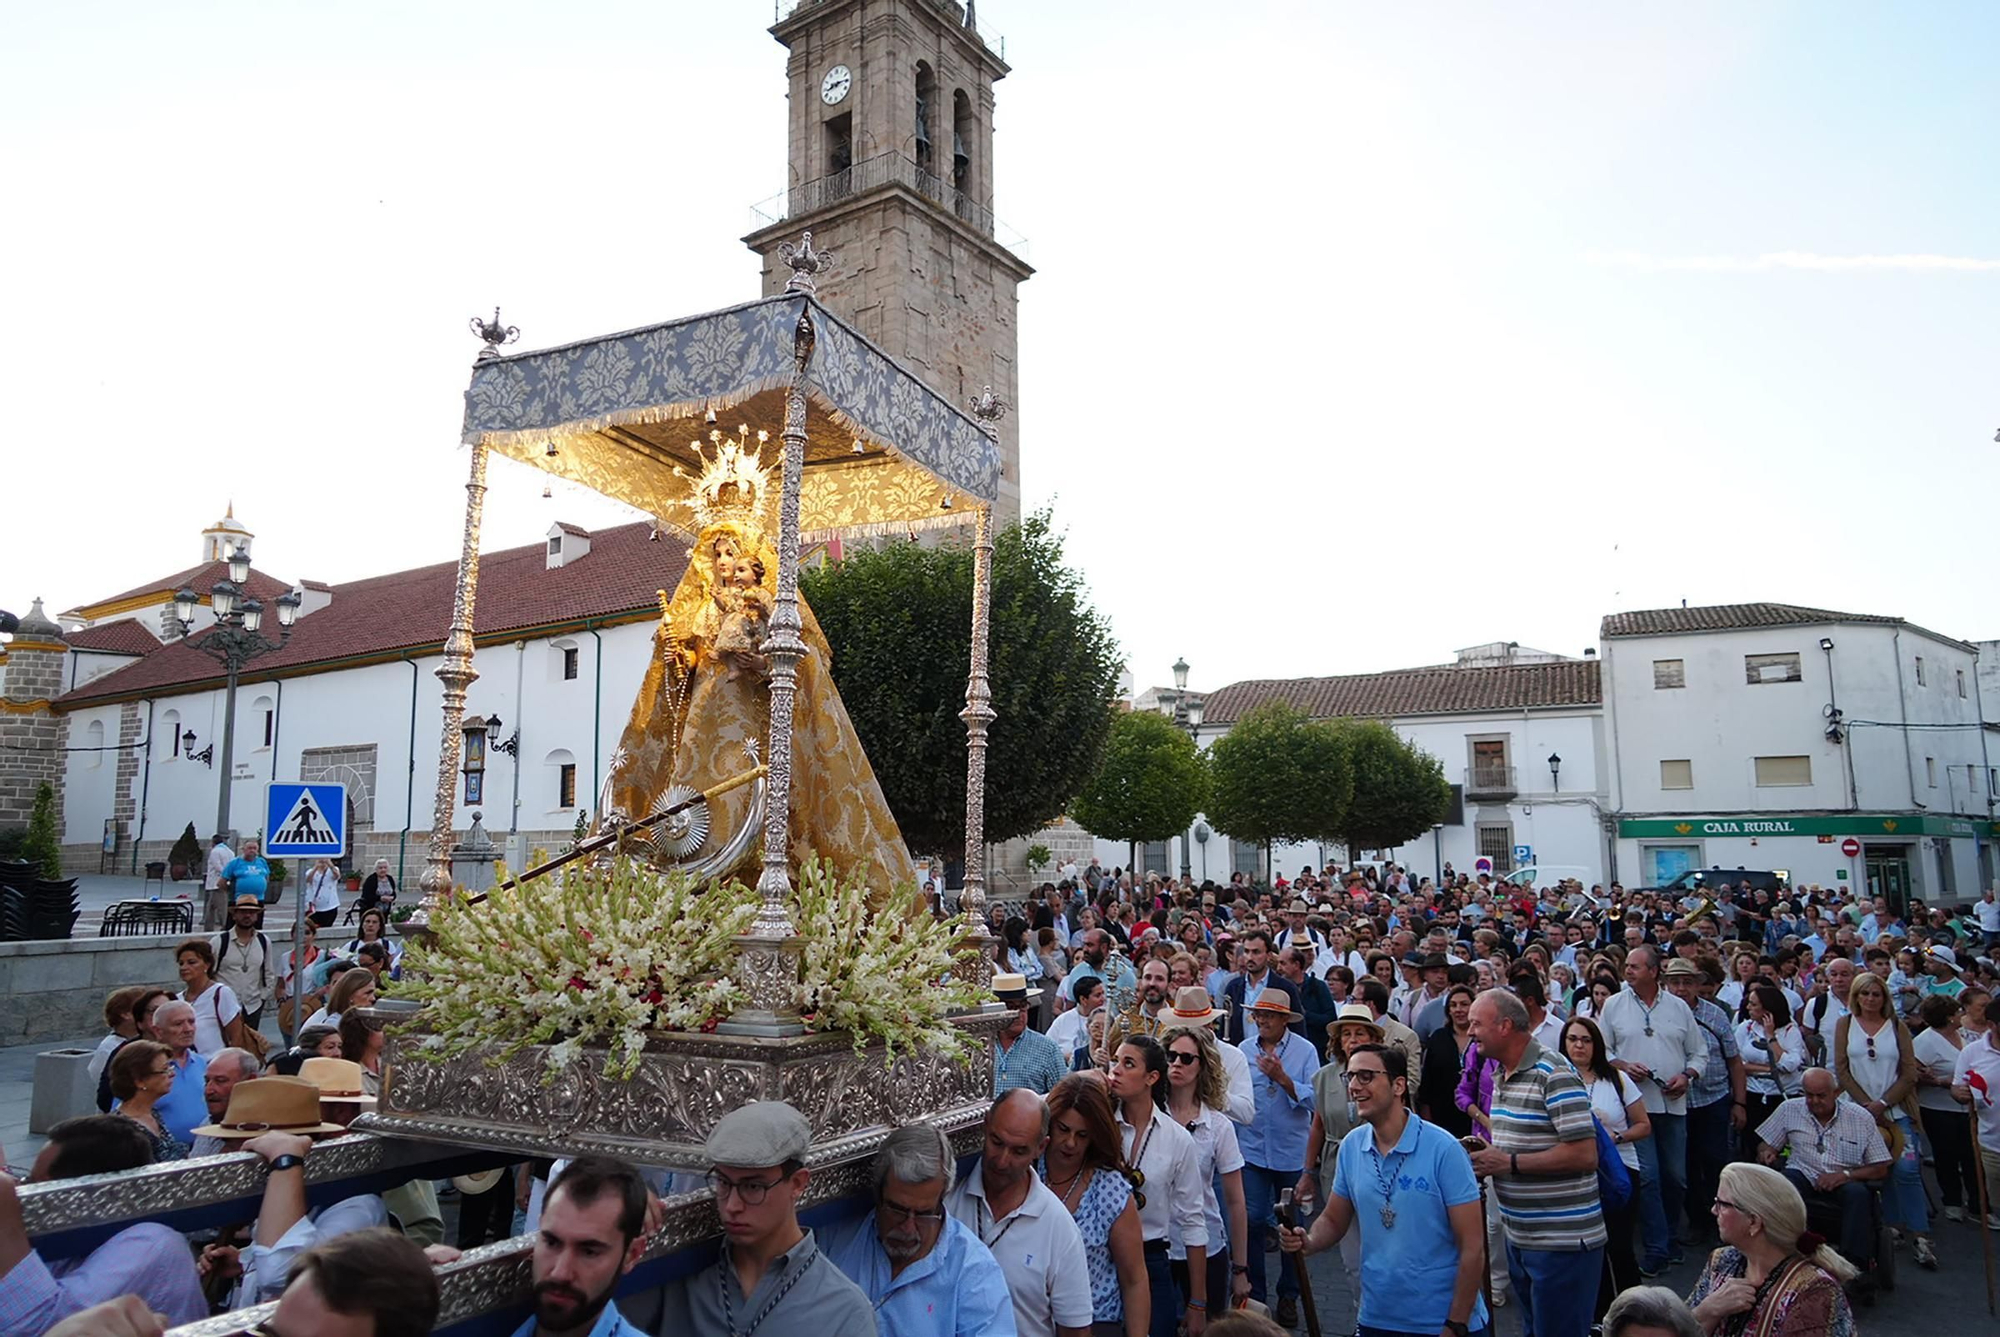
[1095, 958]
[592, 1233]
[772, 1275]
[923, 1269]
[1027, 1227]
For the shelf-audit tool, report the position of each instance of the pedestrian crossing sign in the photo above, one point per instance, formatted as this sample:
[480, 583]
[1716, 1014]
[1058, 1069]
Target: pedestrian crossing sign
[305, 819]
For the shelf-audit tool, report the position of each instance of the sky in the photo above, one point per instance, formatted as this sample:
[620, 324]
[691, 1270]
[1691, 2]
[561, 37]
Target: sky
[1359, 333]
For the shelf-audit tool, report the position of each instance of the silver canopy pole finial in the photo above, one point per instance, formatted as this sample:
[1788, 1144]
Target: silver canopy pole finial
[806, 263]
[988, 407]
[494, 333]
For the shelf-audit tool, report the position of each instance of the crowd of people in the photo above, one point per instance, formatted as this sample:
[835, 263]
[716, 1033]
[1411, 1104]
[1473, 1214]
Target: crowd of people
[1587, 1083]
[1479, 1096]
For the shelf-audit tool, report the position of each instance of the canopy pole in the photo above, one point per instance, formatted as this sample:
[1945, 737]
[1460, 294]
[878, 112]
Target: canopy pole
[457, 674]
[979, 713]
[767, 963]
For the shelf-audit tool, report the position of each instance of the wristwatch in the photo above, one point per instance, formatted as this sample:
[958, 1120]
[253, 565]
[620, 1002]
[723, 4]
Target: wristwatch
[287, 1162]
[1458, 1327]
[1239, 1269]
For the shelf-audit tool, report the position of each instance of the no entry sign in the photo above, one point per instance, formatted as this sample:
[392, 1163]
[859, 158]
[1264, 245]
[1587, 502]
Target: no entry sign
[1850, 847]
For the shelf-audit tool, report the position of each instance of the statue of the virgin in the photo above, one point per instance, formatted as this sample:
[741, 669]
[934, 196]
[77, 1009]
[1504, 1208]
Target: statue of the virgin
[702, 716]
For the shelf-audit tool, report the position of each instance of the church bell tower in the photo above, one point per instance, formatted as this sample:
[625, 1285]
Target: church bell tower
[890, 166]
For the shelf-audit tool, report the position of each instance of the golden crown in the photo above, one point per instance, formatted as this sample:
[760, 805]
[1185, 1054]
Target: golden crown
[733, 482]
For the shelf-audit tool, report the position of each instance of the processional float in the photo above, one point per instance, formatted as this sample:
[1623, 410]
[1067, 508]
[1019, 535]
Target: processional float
[864, 447]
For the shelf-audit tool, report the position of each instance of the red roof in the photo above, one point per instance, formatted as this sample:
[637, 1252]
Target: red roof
[202, 578]
[1424, 691]
[1738, 617]
[126, 636]
[411, 610]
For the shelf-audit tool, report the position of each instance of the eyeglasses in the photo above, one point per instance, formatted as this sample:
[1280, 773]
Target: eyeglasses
[1724, 1202]
[1364, 1075]
[1181, 1058]
[750, 1191]
[893, 1214]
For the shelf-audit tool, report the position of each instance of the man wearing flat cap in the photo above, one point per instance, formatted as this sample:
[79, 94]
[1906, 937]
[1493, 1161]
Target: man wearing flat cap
[771, 1277]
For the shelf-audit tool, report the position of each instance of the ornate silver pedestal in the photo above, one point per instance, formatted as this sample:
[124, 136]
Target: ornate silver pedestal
[684, 1085]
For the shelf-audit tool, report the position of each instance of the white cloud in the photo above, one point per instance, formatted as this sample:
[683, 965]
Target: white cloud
[1746, 264]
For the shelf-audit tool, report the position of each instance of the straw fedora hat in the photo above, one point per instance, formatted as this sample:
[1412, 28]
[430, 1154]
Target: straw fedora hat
[1276, 1002]
[1355, 1014]
[270, 1105]
[479, 1180]
[1013, 988]
[339, 1080]
[1192, 1007]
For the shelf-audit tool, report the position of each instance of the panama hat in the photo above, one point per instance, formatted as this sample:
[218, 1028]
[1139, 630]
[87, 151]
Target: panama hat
[338, 1080]
[1192, 1007]
[270, 1105]
[1276, 1002]
[1355, 1014]
[1014, 989]
[479, 1181]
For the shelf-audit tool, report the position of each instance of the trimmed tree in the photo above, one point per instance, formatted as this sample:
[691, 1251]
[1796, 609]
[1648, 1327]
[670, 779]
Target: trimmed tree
[1278, 775]
[43, 848]
[1149, 786]
[899, 621]
[1399, 789]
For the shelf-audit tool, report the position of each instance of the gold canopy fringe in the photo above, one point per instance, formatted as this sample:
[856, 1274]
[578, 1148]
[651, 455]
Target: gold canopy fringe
[890, 528]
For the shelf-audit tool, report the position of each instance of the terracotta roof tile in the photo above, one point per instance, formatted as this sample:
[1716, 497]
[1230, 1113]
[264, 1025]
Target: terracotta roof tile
[1726, 617]
[126, 636]
[202, 578]
[411, 610]
[1423, 691]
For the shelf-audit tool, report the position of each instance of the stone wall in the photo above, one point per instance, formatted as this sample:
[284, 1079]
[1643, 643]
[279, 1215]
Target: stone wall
[31, 735]
[54, 991]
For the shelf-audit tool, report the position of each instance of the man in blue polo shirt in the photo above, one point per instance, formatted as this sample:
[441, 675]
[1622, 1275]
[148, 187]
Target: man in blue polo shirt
[1409, 1188]
[248, 872]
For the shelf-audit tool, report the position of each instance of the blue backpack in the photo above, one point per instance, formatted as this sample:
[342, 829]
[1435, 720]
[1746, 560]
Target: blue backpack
[1614, 1177]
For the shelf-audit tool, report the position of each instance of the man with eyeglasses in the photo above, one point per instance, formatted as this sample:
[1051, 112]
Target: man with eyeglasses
[1836, 1152]
[924, 1270]
[1409, 1187]
[772, 1276]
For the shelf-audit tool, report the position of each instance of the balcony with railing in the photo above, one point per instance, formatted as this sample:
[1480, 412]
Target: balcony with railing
[884, 169]
[994, 42]
[1490, 780]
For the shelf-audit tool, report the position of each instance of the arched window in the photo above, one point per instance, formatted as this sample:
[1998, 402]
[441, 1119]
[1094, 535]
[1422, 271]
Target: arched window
[926, 109]
[93, 743]
[562, 776]
[169, 735]
[963, 135]
[264, 719]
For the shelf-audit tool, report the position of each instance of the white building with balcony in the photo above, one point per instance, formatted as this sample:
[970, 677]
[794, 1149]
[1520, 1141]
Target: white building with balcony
[1833, 747]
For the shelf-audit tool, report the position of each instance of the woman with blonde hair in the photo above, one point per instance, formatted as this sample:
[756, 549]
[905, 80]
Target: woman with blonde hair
[1771, 1277]
[1875, 1058]
[1198, 1100]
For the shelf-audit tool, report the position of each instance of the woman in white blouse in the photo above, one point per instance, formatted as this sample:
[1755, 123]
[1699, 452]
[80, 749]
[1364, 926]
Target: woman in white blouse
[1618, 1105]
[1170, 1193]
[1773, 1049]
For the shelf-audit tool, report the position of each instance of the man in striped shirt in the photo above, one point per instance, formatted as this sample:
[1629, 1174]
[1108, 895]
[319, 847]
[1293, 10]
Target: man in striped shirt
[1543, 1164]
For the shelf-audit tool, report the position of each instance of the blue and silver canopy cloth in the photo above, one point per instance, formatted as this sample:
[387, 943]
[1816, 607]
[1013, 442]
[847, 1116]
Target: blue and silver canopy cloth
[885, 453]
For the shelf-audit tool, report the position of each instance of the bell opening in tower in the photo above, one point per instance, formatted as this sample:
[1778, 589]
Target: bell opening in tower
[839, 151]
[926, 99]
[963, 133]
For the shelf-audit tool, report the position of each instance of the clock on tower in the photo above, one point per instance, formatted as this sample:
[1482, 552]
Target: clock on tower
[890, 164]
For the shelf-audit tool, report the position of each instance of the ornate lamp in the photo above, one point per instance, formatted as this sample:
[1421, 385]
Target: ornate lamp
[239, 565]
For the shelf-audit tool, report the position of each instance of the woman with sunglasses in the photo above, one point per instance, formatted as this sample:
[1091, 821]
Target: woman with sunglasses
[1085, 1167]
[1198, 1100]
[1770, 1277]
[1161, 1154]
[1875, 1060]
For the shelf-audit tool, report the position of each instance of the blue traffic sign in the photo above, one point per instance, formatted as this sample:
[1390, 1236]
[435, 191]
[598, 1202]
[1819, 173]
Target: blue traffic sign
[1523, 855]
[305, 819]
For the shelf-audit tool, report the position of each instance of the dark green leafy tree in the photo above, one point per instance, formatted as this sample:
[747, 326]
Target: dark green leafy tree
[899, 621]
[1399, 789]
[1278, 776]
[185, 854]
[1149, 785]
[43, 847]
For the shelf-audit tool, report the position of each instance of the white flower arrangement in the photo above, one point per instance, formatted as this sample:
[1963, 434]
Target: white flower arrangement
[593, 955]
[605, 955]
[877, 974]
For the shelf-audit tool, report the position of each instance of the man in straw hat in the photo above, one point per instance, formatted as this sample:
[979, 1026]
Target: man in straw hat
[771, 1276]
[414, 1202]
[278, 1118]
[1193, 1007]
[1025, 1057]
[1274, 1141]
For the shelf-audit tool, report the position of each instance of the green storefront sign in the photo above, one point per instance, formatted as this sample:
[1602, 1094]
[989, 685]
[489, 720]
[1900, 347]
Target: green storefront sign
[1875, 826]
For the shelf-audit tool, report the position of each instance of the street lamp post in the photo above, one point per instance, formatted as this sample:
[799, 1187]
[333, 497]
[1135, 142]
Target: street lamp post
[1437, 854]
[1555, 772]
[1187, 715]
[235, 639]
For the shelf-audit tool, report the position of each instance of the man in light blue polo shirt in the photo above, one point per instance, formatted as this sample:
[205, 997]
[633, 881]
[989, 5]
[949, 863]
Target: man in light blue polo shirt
[248, 873]
[924, 1270]
[1409, 1188]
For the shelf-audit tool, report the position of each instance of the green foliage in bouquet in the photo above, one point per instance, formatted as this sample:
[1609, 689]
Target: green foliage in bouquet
[593, 955]
[893, 975]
